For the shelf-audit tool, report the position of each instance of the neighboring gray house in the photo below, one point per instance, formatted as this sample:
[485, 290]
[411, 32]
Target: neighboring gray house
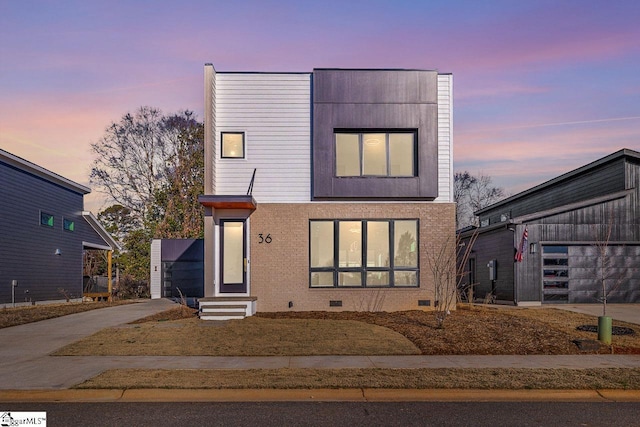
[43, 232]
[565, 219]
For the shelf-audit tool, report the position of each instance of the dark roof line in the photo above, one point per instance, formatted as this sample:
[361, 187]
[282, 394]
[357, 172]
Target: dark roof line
[625, 152]
[39, 171]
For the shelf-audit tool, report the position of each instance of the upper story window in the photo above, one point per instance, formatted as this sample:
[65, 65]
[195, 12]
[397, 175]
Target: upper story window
[232, 145]
[376, 153]
[68, 225]
[46, 219]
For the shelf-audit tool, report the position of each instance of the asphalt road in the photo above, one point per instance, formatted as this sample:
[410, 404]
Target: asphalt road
[336, 414]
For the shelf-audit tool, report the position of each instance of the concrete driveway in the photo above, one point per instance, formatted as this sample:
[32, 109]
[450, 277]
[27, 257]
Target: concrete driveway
[25, 348]
[624, 312]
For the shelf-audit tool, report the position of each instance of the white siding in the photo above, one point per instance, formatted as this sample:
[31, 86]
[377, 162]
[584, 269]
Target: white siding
[274, 111]
[209, 128]
[214, 146]
[445, 138]
[156, 269]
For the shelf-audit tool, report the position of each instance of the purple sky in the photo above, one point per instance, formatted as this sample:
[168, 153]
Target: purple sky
[540, 87]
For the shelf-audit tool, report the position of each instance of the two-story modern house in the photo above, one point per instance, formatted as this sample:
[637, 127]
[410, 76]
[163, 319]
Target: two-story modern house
[43, 233]
[325, 190]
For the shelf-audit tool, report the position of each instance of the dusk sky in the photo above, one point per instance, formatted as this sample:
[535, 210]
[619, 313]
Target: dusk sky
[540, 87]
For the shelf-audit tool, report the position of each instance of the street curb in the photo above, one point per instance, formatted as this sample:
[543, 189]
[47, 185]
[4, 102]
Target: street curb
[318, 395]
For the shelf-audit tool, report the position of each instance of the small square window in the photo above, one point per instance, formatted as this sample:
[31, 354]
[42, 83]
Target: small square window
[68, 225]
[46, 219]
[232, 145]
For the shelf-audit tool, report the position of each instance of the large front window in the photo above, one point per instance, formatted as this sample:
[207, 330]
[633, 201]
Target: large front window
[363, 253]
[375, 153]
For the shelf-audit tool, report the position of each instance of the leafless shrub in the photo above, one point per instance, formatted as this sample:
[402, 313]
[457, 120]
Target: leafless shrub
[370, 300]
[65, 293]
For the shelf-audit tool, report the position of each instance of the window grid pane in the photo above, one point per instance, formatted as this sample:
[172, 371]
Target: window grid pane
[374, 154]
[322, 244]
[349, 278]
[347, 154]
[406, 278]
[401, 157]
[322, 279]
[405, 244]
[350, 241]
[377, 244]
[378, 278]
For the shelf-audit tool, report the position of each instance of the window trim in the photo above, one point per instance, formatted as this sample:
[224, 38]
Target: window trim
[361, 143]
[363, 269]
[244, 152]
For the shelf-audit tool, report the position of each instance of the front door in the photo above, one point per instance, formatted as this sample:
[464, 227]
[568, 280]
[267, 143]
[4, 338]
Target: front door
[233, 256]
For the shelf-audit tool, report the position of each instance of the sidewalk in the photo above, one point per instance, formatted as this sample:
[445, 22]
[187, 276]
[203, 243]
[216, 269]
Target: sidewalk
[28, 371]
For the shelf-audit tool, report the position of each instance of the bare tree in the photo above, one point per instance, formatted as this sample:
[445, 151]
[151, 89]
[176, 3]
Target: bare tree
[442, 263]
[180, 215]
[152, 167]
[135, 157]
[448, 263]
[472, 194]
[608, 277]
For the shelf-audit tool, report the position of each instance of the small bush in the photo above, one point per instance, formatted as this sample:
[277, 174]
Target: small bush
[129, 287]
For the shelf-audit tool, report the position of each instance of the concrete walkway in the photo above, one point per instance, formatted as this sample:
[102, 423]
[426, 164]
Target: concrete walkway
[26, 364]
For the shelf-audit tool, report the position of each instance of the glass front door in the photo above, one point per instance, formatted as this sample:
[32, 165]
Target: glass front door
[233, 257]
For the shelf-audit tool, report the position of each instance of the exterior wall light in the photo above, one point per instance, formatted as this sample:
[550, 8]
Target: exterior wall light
[533, 248]
[58, 252]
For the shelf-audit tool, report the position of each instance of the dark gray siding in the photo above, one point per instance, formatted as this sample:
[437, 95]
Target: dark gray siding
[27, 248]
[632, 181]
[528, 273]
[374, 99]
[182, 268]
[499, 245]
[608, 179]
[582, 229]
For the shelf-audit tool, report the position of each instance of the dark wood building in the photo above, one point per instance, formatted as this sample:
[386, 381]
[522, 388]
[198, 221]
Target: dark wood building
[43, 233]
[582, 227]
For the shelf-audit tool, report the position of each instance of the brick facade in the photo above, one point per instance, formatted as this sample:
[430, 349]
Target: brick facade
[279, 271]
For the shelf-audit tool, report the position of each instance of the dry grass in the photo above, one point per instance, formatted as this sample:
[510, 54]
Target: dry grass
[10, 316]
[478, 330]
[557, 379]
[249, 337]
[486, 330]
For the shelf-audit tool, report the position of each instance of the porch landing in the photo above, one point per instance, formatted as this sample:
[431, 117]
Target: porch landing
[226, 308]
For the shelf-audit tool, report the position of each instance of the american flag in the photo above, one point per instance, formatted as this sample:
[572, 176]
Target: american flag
[523, 245]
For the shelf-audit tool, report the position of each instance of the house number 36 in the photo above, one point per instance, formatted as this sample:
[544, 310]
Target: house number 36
[264, 239]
